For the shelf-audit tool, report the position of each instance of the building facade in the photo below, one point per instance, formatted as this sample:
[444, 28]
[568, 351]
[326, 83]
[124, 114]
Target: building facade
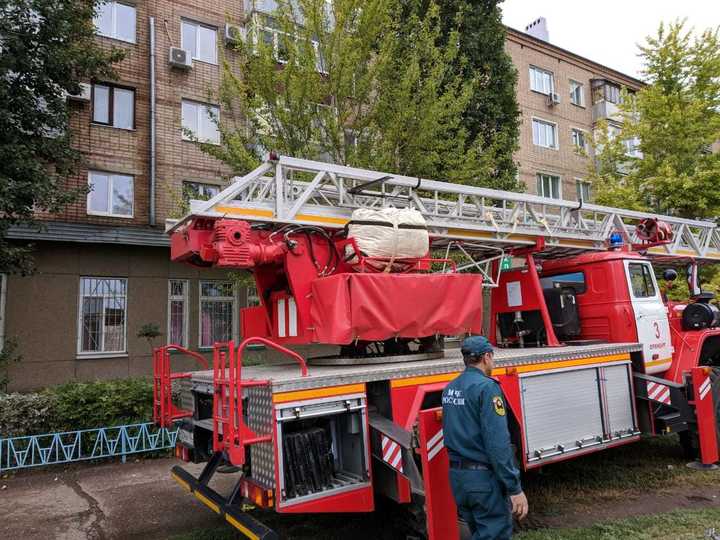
[562, 97]
[103, 268]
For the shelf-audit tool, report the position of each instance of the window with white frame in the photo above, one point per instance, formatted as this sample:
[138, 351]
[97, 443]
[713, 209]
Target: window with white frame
[577, 93]
[548, 185]
[199, 191]
[199, 120]
[217, 312]
[102, 315]
[200, 40]
[110, 194]
[116, 20]
[178, 312]
[113, 106]
[579, 139]
[541, 80]
[544, 134]
[583, 190]
[632, 147]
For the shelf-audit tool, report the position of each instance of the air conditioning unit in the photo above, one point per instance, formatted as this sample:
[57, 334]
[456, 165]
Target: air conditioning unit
[234, 33]
[180, 58]
[553, 99]
[85, 93]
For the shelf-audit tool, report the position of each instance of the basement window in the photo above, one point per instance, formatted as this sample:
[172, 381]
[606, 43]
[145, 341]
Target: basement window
[217, 312]
[102, 316]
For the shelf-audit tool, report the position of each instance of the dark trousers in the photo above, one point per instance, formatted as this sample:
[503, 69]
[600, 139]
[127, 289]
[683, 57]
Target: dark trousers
[481, 502]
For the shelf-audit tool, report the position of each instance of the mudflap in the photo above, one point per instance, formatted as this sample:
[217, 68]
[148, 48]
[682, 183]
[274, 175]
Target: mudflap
[228, 508]
[442, 523]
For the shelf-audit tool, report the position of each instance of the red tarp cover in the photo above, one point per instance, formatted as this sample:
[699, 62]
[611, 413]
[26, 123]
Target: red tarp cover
[373, 307]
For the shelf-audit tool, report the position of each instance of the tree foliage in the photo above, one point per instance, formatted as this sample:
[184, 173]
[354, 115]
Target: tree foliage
[676, 120]
[46, 48]
[353, 82]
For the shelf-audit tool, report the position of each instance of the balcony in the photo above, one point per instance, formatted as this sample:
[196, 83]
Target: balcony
[606, 110]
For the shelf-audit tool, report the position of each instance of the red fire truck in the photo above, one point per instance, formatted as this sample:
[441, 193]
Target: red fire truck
[590, 354]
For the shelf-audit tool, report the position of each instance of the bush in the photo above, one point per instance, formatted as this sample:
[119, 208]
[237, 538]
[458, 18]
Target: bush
[73, 406]
[26, 414]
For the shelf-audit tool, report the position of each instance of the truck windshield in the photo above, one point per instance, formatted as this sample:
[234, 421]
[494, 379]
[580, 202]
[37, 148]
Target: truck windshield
[641, 280]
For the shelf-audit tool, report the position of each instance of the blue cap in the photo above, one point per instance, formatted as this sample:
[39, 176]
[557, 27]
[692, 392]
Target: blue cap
[476, 346]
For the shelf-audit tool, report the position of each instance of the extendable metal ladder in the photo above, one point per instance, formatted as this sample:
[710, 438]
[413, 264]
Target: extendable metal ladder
[288, 190]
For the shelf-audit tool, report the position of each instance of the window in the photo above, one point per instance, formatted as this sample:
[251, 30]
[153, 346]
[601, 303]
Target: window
[583, 190]
[200, 120]
[200, 41]
[544, 134]
[217, 312]
[114, 106]
[579, 139]
[577, 93]
[612, 93]
[548, 185]
[102, 324]
[253, 298]
[110, 194]
[641, 280]
[541, 80]
[199, 191]
[632, 147]
[116, 20]
[575, 280]
[177, 312]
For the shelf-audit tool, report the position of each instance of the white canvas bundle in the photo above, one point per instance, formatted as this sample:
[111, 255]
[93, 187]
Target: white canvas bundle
[387, 238]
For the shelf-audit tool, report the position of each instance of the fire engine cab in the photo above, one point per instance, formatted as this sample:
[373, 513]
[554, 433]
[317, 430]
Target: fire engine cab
[388, 270]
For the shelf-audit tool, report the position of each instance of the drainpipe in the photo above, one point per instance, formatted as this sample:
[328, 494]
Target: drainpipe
[153, 165]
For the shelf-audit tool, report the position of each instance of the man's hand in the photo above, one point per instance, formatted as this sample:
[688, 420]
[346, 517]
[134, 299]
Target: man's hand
[519, 505]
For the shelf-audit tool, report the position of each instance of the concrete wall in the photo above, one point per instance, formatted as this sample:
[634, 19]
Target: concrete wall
[42, 310]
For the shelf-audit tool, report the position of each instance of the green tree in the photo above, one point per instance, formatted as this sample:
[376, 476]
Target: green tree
[674, 121]
[46, 48]
[359, 85]
[492, 113]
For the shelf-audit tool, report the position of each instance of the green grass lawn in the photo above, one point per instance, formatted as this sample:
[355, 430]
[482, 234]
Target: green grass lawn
[677, 525]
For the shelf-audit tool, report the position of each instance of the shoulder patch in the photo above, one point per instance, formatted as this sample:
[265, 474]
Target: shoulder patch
[499, 405]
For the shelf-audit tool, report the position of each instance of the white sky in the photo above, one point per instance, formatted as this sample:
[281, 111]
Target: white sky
[608, 31]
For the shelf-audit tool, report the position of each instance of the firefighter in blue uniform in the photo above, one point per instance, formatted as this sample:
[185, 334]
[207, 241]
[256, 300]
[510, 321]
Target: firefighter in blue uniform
[483, 476]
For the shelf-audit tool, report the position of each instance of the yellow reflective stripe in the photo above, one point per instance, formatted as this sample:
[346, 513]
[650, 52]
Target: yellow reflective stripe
[243, 211]
[284, 397]
[412, 381]
[554, 364]
[658, 362]
[202, 498]
[240, 527]
[321, 219]
[183, 483]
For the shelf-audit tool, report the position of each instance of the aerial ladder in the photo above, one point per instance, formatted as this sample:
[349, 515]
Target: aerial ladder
[579, 321]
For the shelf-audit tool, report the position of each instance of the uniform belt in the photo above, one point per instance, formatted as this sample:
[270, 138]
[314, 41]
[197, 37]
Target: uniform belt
[467, 464]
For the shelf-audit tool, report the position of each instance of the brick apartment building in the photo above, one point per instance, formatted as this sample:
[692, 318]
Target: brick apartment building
[103, 269]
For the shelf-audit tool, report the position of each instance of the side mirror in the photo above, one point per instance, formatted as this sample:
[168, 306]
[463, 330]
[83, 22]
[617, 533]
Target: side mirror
[670, 275]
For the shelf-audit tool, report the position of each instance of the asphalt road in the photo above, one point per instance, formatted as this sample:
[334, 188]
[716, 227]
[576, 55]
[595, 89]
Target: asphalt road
[105, 501]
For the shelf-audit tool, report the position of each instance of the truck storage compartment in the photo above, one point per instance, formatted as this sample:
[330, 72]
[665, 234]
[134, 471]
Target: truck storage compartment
[323, 449]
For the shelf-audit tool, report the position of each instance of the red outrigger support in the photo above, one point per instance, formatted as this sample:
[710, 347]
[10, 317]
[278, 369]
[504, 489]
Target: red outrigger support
[705, 415]
[164, 410]
[230, 433]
